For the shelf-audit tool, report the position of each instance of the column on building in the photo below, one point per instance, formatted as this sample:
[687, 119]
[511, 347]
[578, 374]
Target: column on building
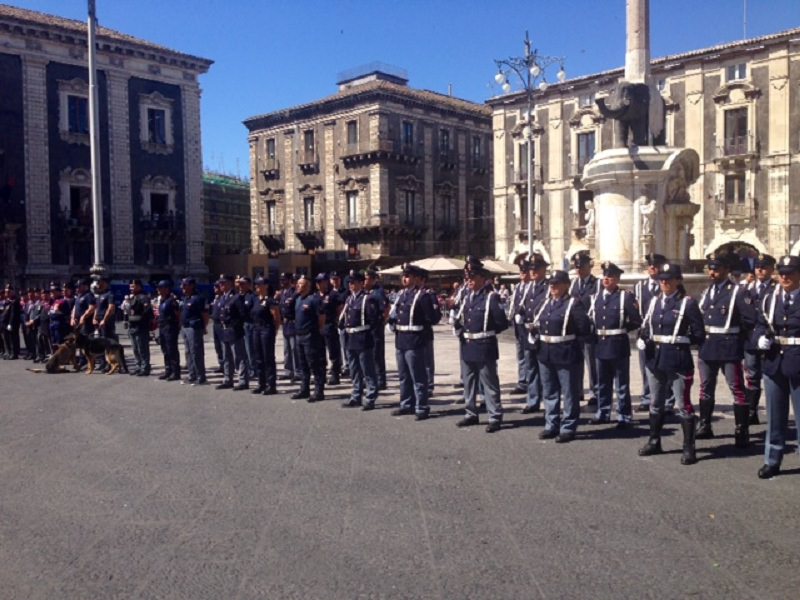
[557, 195]
[37, 166]
[780, 212]
[289, 199]
[257, 216]
[193, 173]
[431, 141]
[695, 138]
[329, 193]
[462, 212]
[120, 170]
[501, 197]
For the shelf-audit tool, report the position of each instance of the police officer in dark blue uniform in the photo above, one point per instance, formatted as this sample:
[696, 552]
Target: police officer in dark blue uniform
[358, 319]
[140, 318]
[341, 290]
[247, 299]
[168, 330]
[614, 313]
[672, 323]
[583, 287]
[81, 319]
[105, 310]
[194, 321]
[286, 298]
[516, 310]
[430, 355]
[559, 328]
[233, 350]
[217, 330]
[410, 315]
[332, 305]
[534, 299]
[729, 318]
[374, 288]
[58, 315]
[309, 322]
[778, 332]
[478, 323]
[756, 291]
[266, 317]
[645, 290]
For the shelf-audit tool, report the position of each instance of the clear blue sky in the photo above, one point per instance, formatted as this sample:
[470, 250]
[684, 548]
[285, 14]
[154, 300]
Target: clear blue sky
[273, 54]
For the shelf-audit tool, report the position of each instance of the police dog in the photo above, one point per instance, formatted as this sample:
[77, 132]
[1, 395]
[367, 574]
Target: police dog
[63, 355]
[93, 348]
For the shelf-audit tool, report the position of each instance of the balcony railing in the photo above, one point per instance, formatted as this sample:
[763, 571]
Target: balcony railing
[380, 149]
[308, 161]
[161, 222]
[737, 211]
[313, 224]
[271, 230]
[738, 146]
[272, 168]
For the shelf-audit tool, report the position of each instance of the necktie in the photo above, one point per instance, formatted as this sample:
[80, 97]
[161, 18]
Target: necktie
[654, 288]
[787, 303]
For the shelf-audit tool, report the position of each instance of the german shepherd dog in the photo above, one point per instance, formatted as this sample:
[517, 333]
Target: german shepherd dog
[93, 348]
[63, 355]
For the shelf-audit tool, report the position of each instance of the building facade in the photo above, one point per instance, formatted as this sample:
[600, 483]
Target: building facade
[377, 171]
[226, 210]
[737, 105]
[150, 152]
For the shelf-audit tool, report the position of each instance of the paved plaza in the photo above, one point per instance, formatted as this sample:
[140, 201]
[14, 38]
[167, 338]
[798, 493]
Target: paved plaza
[122, 487]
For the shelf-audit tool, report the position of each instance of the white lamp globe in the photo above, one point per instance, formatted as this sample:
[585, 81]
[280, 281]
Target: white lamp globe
[535, 70]
[561, 75]
[543, 86]
[500, 78]
[506, 87]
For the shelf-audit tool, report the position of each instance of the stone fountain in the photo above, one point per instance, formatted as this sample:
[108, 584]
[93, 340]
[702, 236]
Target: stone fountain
[641, 200]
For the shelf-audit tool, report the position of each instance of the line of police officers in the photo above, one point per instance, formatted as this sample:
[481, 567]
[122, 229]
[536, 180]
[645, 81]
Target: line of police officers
[745, 331]
[748, 332]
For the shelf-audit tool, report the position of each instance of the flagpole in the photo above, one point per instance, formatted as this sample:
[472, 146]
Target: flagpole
[94, 145]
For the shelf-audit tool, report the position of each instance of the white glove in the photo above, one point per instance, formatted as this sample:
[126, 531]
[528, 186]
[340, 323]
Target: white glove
[532, 339]
[518, 319]
[764, 343]
[457, 331]
[641, 344]
[8, 327]
[389, 328]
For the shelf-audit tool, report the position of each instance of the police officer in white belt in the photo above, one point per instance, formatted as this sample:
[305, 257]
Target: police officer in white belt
[614, 313]
[359, 319]
[560, 327]
[671, 325]
[479, 321]
[779, 338]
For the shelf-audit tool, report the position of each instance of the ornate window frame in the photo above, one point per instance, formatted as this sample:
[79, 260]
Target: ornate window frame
[66, 88]
[69, 178]
[157, 184]
[156, 101]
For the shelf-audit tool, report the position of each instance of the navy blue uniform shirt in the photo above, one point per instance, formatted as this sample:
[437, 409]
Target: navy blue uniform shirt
[606, 319]
[192, 310]
[551, 323]
[665, 356]
[307, 311]
[482, 314]
[717, 311]
[413, 313]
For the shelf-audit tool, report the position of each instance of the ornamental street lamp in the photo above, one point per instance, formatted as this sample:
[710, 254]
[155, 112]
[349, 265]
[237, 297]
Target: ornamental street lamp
[530, 70]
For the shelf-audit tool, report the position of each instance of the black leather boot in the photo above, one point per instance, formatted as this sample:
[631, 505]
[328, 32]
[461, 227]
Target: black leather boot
[753, 396]
[689, 427]
[653, 445]
[704, 430]
[741, 413]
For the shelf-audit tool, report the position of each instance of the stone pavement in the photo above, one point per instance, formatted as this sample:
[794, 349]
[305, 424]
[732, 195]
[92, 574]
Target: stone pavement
[119, 487]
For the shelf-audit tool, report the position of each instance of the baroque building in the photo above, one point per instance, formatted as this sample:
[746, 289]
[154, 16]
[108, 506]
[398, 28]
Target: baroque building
[377, 170]
[737, 105]
[150, 154]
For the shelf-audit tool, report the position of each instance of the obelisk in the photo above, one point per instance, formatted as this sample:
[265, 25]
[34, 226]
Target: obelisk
[635, 179]
[637, 48]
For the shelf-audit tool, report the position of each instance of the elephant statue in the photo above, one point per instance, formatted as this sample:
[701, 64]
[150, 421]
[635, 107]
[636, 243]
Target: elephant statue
[629, 104]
